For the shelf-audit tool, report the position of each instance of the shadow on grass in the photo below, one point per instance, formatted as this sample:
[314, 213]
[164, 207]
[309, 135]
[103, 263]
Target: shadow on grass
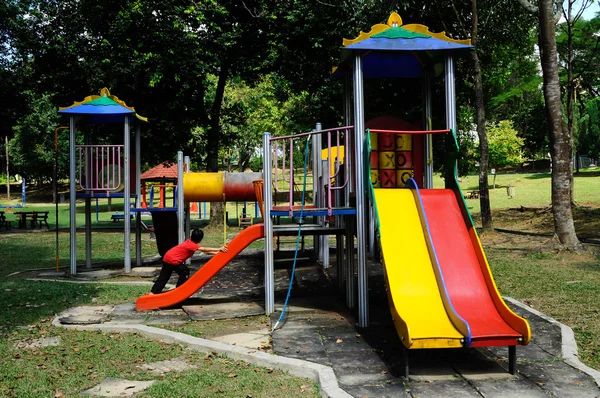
[587, 174]
[595, 267]
[27, 302]
[587, 221]
[537, 176]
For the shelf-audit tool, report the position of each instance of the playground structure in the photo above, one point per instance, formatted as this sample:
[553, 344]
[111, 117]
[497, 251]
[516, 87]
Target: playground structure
[104, 171]
[440, 287]
[373, 180]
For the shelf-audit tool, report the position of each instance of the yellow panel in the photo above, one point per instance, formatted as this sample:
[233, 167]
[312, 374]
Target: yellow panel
[334, 155]
[203, 187]
[375, 178]
[402, 176]
[387, 160]
[374, 141]
[403, 142]
[415, 301]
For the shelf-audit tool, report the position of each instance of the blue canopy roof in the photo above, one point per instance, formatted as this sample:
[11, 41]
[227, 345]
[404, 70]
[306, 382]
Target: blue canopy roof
[396, 50]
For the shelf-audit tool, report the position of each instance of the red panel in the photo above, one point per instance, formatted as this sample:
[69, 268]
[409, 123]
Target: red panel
[461, 270]
[374, 160]
[418, 159]
[404, 160]
[387, 142]
[387, 178]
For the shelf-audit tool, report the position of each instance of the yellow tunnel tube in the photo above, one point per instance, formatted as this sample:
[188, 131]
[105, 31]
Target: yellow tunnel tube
[203, 187]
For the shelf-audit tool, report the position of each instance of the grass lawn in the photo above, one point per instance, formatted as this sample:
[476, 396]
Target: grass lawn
[79, 362]
[532, 269]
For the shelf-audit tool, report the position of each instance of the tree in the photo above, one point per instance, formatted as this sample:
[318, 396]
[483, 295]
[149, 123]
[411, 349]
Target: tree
[561, 143]
[32, 148]
[484, 196]
[468, 156]
[505, 147]
[579, 54]
[524, 105]
[489, 57]
[589, 139]
[567, 51]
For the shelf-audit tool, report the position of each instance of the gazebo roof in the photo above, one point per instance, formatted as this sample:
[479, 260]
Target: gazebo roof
[103, 108]
[164, 170]
[396, 50]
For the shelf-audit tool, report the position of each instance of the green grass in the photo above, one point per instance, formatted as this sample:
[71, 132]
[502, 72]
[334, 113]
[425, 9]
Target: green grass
[562, 285]
[78, 364]
[531, 189]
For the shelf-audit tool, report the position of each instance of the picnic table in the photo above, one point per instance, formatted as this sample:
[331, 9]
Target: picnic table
[37, 218]
[22, 218]
[472, 195]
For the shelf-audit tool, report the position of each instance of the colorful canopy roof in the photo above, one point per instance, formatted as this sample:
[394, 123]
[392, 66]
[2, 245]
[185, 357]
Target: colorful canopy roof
[396, 50]
[103, 108]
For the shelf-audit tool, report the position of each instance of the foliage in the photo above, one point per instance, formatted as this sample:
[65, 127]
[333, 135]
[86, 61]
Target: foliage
[585, 45]
[589, 139]
[524, 105]
[267, 106]
[504, 145]
[467, 141]
[32, 150]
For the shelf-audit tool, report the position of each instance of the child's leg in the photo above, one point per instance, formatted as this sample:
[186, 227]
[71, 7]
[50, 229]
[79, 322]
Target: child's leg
[184, 273]
[164, 276]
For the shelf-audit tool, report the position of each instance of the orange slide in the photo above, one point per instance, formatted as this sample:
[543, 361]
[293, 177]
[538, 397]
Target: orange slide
[204, 274]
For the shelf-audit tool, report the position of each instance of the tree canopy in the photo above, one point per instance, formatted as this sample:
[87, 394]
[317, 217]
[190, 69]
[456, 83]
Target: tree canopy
[210, 75]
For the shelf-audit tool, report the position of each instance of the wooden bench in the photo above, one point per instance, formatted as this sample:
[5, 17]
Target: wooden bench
[472, 195]
[39, 218]
[245, 222]
[4, 222]
[117, 217]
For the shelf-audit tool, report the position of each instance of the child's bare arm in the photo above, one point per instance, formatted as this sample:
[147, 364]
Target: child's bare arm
[213, 250]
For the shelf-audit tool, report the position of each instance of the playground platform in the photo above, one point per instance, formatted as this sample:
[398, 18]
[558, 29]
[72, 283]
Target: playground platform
[320, 339]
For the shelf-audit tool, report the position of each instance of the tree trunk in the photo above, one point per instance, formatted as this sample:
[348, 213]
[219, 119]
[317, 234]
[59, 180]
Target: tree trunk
[484, 157]
[7, 172]
[213, 138]
[561, 146]
[570, 90]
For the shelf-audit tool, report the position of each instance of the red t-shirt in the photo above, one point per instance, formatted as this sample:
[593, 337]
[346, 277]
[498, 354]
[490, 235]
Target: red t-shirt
[181, 252]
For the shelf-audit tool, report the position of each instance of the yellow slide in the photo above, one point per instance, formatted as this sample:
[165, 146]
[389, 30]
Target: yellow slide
[415, 299]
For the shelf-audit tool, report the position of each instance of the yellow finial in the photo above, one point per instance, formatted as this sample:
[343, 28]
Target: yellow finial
[394, 20]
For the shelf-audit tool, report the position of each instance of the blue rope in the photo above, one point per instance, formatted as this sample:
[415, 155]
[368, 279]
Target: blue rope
[298, 238]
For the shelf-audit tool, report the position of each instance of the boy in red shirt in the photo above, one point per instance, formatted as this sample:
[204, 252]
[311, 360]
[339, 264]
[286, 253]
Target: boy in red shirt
[174, 260]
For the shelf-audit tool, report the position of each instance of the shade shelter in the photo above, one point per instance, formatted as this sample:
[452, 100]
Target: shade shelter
[103, 171]
[390, 50]
[161, 173]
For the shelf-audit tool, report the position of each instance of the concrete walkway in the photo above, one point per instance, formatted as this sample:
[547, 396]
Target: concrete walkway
[319, 339]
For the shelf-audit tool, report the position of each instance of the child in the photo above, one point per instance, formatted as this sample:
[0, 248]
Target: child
[174, 259]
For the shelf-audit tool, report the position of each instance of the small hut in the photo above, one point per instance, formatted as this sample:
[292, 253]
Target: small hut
[163, 173]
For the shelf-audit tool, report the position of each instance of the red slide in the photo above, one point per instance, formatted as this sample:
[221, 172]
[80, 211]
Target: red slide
[204, 274]
[466, 273]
